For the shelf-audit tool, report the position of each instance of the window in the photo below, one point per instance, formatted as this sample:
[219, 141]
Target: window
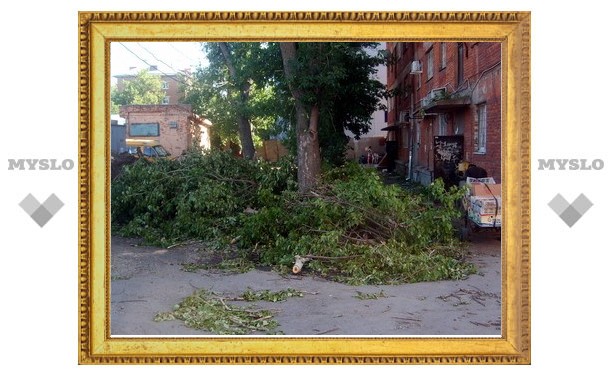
[459, 122]
[396, 58]
[144, 129]
[442, 123]
[480, 136]
[430, 64]
[166, 100]
[165, 85]
[459, 63]
[442, 55]
[173, 124]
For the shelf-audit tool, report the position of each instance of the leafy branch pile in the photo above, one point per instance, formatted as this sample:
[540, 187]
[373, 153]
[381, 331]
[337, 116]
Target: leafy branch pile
[357, 229]
[207, 311]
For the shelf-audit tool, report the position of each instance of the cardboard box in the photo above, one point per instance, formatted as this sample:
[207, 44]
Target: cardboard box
[485, 220]
[485, 190]
[486, 205]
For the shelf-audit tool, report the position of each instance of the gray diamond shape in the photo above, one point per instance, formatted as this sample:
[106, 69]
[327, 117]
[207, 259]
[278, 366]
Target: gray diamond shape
[558, 204]
[53, 204]
[582, 204]
[29, 204]
[41, 216]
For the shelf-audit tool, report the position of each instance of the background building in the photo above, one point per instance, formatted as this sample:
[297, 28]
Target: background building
[446, 107]
[175, 127]
[375, 137]
[171, 83]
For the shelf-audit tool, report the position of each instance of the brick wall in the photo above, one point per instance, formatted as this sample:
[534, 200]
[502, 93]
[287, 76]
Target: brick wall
[174, 139]
[487, 91]
[173, 91]
[480, 81]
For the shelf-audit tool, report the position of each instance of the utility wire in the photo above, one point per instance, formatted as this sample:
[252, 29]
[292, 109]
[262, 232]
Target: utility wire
[172, 77]
[187, 57]
[155, 57]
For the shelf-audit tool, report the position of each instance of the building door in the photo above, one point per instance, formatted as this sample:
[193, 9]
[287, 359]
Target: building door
[448, 152]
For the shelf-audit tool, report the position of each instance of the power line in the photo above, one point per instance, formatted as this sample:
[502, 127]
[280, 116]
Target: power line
[180, 52]
[155, 57]
[148, 64]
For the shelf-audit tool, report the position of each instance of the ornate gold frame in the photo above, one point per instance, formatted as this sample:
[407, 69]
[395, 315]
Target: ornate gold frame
[98, 29]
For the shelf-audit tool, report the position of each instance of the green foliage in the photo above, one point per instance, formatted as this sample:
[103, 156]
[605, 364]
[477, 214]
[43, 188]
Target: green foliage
[339, 78]
[374, 233]
[357, 229]
[270, 296]
[144, 89]
[207, 311]
[364, 296]
[202, 195]
[251, 90]
[226, 264]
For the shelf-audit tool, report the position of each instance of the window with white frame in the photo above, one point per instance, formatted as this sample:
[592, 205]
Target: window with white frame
[442, 55]
[430, 64]
[442, 124]
[166, 100]
[480, 137]
[165, 85]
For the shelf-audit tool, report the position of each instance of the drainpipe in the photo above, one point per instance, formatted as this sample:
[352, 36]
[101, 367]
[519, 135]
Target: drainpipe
[412, 128]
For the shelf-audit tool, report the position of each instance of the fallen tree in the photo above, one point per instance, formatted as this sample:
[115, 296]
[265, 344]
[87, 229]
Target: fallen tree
[351, 227]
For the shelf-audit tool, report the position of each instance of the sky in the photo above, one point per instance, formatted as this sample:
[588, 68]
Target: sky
[169, 57]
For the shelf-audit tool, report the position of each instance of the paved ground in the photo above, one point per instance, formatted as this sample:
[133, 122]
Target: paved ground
[148, 280]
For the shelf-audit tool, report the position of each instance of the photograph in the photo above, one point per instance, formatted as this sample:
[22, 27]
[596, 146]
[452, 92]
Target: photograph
[304, 187]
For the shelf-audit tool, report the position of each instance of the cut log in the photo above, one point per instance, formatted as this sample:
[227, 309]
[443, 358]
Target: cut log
[301, 260]
[299, 263]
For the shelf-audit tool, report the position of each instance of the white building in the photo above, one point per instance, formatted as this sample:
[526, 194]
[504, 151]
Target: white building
[375, 138]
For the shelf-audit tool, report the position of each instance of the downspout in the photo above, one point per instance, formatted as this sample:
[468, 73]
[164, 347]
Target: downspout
[412, 129]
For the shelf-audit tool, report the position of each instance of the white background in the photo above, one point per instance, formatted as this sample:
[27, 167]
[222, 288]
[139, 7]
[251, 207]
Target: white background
[570, 266]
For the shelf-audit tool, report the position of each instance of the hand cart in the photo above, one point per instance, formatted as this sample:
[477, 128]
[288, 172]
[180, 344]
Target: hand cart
[482, 209]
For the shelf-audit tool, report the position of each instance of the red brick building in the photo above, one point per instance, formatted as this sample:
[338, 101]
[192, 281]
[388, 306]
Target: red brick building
[446, 108]
[171, 84]
[173, 126]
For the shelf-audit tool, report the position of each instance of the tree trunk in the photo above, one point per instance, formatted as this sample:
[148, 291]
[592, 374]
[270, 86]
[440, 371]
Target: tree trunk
[308, 152]
[244, 126]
